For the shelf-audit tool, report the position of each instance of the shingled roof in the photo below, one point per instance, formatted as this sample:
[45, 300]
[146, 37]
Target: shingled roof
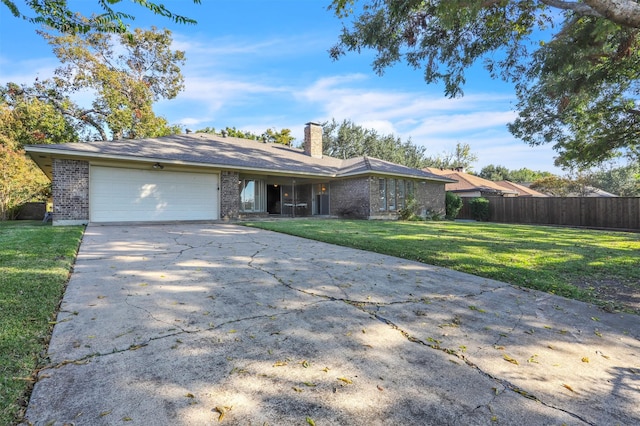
[216, 151]
[467, 182]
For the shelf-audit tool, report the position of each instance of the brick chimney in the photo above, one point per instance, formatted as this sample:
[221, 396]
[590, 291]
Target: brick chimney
[313, 140]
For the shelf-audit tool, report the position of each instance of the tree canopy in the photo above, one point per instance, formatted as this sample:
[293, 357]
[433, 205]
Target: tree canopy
[25, 119]
[574, 64]
[523, 175]
[270, 135]
[461, 156]
[125, 73]
[347, 140]
[105, 17]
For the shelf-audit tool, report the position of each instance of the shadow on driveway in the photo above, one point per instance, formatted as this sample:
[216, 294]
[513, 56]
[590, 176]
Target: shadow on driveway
[189, 324]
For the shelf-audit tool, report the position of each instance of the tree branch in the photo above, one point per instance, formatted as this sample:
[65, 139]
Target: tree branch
[623, 12]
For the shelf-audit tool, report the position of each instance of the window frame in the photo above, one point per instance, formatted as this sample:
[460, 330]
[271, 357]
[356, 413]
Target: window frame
[258, 201]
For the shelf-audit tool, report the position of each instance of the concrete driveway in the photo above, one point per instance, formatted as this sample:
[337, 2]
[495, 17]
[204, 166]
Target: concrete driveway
[196, 324]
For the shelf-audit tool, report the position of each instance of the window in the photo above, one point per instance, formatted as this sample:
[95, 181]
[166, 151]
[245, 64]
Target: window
[252, 195]
[391, 194]
[410, 189]
[394, 193]
[400, 194]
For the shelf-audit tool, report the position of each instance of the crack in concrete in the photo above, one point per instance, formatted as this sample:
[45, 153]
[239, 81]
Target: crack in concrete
[361, 305]
[505, 383]
[135, 346]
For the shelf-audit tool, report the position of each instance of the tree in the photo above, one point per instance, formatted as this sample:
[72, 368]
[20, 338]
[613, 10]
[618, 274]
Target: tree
[577, 89]
[461, 156]
[25, 119]
[270, 135]
[523, 175]
[623, 181]
[126, 77]
[58, 15]
[564, 186]
[495, 173]
[20, 179]
[581, 94]
[347, 140]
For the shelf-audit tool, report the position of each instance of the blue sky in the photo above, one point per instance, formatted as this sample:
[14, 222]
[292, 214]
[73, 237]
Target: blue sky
[255, 64]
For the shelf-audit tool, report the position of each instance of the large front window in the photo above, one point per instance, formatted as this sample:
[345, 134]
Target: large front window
[394, 193]
[252, 195]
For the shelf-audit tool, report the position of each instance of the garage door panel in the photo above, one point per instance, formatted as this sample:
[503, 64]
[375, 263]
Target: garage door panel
[119, 194]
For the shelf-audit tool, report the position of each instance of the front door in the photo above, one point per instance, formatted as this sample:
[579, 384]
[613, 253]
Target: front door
[274, 201]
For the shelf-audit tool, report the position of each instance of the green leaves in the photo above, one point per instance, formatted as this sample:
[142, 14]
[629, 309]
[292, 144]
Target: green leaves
[58, 15]
[127, 73]
[581, 93]
[578, 91]
[348, 140]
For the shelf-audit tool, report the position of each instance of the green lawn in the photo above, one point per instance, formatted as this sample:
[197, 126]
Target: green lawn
[595, 266]
[35, 260]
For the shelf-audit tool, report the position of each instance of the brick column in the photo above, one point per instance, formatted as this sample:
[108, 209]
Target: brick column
[70, 188]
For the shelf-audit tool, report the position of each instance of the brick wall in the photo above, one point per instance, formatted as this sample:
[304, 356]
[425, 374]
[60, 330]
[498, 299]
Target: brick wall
[70, 188]
[229, 195]
[350, 198]
[430, 197]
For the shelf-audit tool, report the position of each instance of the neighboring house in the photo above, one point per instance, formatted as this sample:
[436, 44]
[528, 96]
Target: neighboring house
[587, 191]
[591, 191]
[522, 190]
[471, 186]
[211, 177]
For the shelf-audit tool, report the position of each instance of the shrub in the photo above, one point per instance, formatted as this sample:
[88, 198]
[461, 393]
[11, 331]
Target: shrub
[433, 215]
[409, 211]
[453, 204]
[479, 208]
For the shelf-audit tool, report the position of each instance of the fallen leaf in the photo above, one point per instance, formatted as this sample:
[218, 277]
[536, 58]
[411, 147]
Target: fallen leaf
[326, 369]
[305, 363]
[127, 419]
[310, 421]
[105, 413]
[222, 410]
[380, 388]
[190, 395]
[296, 389]
[310, 384]
[511, 360]
[597, 333]
[585, 359]
[280, 363]
[101, 297]
[344, 379]
[568, 387]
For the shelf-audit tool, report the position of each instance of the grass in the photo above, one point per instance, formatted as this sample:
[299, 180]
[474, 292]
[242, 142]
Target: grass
[35, 260]
[564, 261]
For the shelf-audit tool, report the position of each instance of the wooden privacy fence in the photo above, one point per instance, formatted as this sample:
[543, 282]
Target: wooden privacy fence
[594, 212]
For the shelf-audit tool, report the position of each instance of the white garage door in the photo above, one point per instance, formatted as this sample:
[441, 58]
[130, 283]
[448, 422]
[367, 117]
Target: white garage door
[121, 195]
